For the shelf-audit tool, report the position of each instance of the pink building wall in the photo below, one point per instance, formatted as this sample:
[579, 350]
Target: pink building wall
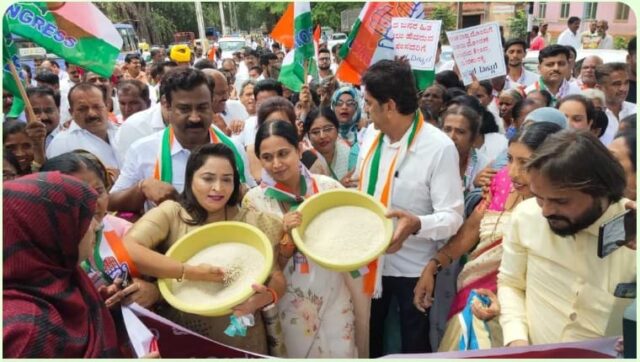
[605, 11]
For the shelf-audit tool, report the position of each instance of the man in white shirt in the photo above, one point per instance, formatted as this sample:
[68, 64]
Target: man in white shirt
[570, 35]
[515, 51]
[587, 78]
[45, 103]
[133, 97]
[91, 129]
[189, 99]
[552, 286]
[140, 125]
[553, 67]
[606, 41]
[417, 179]
[613, 80]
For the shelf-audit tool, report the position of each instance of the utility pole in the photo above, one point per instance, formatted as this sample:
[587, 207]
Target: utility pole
[224, 28]
[459, 15]
[200, 19]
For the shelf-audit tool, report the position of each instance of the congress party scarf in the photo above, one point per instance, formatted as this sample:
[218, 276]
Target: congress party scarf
[163, 170]
[282, 194]
[369, 174]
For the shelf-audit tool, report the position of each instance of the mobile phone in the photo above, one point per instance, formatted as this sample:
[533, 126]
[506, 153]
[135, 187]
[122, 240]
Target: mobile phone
[616, 232]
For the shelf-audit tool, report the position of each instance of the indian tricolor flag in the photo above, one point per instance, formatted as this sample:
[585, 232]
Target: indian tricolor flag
[293, 72]
[77, 32]
[371, 40]
[9, 55]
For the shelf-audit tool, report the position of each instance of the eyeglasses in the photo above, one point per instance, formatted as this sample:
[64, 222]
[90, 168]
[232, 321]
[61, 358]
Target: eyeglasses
[347, 103]
[319, 132]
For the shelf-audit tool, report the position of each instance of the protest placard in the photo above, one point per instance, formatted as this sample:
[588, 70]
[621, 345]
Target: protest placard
[417, 40]
[478, 50]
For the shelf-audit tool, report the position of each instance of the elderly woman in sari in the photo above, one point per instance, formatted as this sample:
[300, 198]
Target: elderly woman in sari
[481, 236]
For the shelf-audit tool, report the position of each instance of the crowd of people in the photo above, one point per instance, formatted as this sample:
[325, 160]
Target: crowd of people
[497, 190]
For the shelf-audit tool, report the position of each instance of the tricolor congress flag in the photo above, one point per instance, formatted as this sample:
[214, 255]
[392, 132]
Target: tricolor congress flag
[292, 72]
[9, 54]
[371, 40]
[77, 32]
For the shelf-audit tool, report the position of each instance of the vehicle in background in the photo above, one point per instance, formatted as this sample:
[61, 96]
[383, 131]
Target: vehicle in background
[336, 38]
[185, 37]
[446, 54]
[325, 33]
[607, 55]
[230, 45]
[212, 34]
[129, 40]
[32, 55]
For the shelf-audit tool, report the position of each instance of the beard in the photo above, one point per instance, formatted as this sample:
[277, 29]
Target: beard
[582, 222]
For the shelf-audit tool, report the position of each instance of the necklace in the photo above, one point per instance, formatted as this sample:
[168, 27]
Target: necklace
[515, 202]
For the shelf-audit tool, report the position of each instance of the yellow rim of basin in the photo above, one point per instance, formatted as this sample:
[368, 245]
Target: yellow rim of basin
[209, 235]
[325, 200]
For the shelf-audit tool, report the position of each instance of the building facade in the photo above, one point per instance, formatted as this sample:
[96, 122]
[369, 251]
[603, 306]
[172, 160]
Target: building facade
[621, 18]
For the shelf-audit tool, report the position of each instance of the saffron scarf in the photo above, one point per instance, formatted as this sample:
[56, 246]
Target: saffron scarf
[51, 308]
[368, 180]
[163, 169]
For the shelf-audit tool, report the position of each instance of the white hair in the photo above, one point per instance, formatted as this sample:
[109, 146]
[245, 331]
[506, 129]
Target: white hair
[593, 93]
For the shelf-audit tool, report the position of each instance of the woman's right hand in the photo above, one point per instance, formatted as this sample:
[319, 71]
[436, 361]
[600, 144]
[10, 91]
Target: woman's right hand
[291, 220]
[204, 272]
[146, 294]
[422, 293]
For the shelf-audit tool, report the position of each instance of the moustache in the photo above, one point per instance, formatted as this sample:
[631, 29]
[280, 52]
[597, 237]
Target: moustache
[558, 218]
[94, 119]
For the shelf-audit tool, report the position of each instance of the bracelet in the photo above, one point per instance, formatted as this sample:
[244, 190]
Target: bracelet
[448, 256]
[274, 295]
[438, 265]
[181, 274]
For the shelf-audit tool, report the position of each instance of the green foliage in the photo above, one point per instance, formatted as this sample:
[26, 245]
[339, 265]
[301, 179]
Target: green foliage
[448, 18]
[328, 13]
[620, 43]
[518, 26]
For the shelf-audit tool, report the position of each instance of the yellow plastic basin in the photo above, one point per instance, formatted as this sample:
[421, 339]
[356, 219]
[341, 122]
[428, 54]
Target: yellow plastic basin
[325, 200]
[209, 235]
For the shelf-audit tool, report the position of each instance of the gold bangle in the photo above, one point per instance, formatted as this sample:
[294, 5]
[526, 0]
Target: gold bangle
[181, 274]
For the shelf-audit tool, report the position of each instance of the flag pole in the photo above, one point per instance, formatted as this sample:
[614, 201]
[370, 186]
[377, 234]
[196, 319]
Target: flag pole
[306, 71]
[31, 116]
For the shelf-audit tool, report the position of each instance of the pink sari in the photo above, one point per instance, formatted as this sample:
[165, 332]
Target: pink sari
[481, 269]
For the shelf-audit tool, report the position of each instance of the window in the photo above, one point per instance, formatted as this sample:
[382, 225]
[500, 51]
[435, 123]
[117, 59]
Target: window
[542, 10]
[590, 10]
[622, 11]
[564, 10]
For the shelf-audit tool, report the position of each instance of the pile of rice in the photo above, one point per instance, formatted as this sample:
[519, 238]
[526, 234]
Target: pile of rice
[344, 234]
[242, 264]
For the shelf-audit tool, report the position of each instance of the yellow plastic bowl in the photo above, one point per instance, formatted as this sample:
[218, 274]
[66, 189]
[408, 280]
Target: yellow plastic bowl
[209, 235]
[325, 200]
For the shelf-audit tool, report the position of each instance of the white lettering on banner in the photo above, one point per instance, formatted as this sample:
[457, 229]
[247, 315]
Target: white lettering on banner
[417, 40]
[478, 50]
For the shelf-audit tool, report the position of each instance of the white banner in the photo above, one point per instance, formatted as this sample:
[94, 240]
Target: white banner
[478, 50]
[417, 40]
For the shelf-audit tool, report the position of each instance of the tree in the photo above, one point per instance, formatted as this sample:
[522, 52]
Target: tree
[518, 25]
[448, 18]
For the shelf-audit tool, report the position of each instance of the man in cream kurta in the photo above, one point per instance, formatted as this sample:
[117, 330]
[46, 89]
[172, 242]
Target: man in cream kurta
[417, 170]
[552, 286]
